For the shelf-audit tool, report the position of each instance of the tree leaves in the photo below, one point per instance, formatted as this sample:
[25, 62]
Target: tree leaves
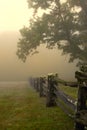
[60, 22]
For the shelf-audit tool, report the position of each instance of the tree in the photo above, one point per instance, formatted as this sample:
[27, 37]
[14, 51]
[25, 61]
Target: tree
[63, 24]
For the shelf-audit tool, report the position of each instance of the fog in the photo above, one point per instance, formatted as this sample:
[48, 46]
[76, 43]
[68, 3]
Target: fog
[13, 17]
[46, 61]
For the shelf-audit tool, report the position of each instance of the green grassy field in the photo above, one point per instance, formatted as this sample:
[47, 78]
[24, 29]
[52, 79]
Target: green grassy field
[21, 108]
[72, 91]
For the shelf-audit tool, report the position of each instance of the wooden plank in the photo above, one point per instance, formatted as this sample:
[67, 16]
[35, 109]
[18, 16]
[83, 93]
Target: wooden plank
[81, 76]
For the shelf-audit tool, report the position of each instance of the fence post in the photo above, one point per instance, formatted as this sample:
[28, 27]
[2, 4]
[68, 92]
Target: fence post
[34, 83]
[82, 97]
[51, 93]
[37, 85]
[41, 87]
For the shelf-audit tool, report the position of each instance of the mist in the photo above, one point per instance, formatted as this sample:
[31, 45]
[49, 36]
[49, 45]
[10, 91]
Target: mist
[46, 61]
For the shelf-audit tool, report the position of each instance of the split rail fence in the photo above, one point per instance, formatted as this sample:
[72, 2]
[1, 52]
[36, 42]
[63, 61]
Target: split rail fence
[77, 109]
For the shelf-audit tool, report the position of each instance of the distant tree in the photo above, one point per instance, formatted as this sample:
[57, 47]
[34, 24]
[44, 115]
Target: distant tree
[63, 24]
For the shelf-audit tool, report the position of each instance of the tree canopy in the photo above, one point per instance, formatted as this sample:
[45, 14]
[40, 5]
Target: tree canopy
[62, 24]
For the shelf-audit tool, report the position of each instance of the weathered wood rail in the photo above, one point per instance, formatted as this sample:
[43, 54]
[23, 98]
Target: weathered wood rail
[48, 87]
[68, 100]
[81, 114]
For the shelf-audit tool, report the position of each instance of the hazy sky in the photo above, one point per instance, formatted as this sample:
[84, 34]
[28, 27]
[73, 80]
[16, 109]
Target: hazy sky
[14, 14]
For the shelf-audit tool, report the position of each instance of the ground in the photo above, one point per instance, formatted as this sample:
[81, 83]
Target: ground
[21, 108]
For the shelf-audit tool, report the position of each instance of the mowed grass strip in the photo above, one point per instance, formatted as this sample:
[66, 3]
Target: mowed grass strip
[21, 108]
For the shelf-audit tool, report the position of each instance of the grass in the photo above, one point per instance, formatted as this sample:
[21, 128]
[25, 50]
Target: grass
[72, 91]
[21, 108]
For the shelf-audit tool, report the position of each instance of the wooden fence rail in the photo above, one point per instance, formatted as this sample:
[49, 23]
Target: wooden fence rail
[81, 114]
[48, 87]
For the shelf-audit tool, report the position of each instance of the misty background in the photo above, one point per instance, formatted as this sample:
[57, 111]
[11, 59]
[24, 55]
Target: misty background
[42, 63]
[13, 17]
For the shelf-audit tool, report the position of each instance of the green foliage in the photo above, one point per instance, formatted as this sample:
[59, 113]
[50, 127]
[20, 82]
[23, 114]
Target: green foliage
[62, 24]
